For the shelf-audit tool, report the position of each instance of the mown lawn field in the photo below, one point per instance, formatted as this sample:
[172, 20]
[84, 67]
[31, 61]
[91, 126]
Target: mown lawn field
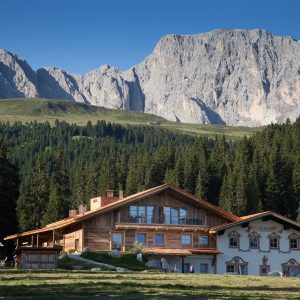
[42, 110]
[110, 285]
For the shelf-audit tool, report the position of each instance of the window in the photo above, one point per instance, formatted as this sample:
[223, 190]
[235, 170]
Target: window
[274, 240]
[141, 214]
[117, 241]
[141, 237]
[204, 268]
[186, 239]
[253, 241]
[274, 243]
[237, 265]
[203, 240]
[230, 268]
[167, 212]
[150, 214]
[291, 267]
[234, 239]
[264, 270]
[294, 243]
[174, 214]
[159, 239]
[182, 215]
[76, 244]
[133, 211]
[186, 268]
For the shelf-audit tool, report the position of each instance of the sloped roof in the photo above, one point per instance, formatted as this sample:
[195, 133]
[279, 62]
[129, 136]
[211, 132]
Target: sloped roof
[138, 196]
[172, 251]
[245, 219]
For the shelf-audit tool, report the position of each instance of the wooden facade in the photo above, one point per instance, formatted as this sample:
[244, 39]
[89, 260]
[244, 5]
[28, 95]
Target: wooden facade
[164, 217]
[36, 257]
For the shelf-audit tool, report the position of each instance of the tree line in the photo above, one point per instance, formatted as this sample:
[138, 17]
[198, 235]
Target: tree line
[65, 165]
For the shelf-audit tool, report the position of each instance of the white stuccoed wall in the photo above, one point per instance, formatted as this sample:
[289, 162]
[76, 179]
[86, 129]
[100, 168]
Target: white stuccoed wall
[196, 260]
[254, 256]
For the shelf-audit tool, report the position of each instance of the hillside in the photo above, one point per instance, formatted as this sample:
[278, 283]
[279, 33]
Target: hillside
[233, 77]
[41, 110]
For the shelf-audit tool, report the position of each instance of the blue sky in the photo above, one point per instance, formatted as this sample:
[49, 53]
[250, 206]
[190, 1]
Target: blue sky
[81, 35]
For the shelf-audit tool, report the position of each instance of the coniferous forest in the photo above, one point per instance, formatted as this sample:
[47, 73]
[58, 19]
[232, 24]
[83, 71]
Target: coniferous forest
[65, 165]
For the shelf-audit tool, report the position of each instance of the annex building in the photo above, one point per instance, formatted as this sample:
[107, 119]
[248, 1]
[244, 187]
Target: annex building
[179, 227]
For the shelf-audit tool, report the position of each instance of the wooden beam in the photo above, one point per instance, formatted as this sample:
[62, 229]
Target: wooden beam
[37, 240]
[221, 232]
[245, 224]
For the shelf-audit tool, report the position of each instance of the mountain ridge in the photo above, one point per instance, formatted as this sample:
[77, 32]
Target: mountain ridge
[234, 77]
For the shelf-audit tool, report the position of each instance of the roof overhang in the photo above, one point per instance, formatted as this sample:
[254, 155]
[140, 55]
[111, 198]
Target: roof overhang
[125, 201]
[265, 216]
[163, 227]
[38, 249]
[179, 252]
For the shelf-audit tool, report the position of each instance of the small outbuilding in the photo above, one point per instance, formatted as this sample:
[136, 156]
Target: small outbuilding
[2, 251]
[37, 257]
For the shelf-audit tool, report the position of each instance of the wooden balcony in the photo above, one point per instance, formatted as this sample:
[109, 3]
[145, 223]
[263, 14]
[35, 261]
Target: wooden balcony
[161, 220]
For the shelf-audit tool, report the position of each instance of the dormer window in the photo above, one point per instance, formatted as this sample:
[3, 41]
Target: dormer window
[294, 241]
[274, 240]
[234, 239]
[254, 240]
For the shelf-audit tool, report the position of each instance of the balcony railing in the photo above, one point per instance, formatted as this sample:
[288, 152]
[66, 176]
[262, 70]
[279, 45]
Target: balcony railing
[158, 220]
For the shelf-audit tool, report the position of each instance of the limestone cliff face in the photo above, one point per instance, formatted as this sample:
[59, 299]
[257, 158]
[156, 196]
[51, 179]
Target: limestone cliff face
[17, 79]
[233, 77]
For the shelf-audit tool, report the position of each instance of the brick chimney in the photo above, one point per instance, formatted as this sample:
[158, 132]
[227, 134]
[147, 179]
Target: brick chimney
[72, 213]
[109, 193]
[81, 209]
[121, 195]
[98, 202]
[95, 203]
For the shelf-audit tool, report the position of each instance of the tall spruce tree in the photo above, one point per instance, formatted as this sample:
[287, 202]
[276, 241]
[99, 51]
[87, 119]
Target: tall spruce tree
[31, 205]
[9, 182]
[61, 184]
[53, 208]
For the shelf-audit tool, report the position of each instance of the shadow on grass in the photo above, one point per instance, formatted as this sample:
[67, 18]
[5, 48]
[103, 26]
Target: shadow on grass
[136, 290]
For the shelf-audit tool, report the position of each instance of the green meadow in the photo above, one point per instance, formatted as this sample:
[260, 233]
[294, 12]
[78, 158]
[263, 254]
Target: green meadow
[41, 110]
[111, 285]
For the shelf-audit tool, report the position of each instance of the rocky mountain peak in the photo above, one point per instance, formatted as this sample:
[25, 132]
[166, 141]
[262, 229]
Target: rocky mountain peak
[234, 77]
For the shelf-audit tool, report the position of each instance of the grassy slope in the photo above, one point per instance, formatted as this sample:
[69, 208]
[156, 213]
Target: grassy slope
[127, 260]
[26, 110]
[86, 285]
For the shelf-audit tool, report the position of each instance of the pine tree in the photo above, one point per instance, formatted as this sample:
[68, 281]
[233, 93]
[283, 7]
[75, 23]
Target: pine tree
[240, 203]
[131, 180]
[170, 177]
[8, 193]
[227, 194]
[31, 205]
[61, 184]
[296, 185]
[53, 208]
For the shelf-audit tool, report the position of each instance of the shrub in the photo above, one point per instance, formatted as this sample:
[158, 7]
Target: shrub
[137, 247]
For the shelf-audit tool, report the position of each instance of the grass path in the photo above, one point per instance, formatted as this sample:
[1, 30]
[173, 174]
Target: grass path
[107, 285]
